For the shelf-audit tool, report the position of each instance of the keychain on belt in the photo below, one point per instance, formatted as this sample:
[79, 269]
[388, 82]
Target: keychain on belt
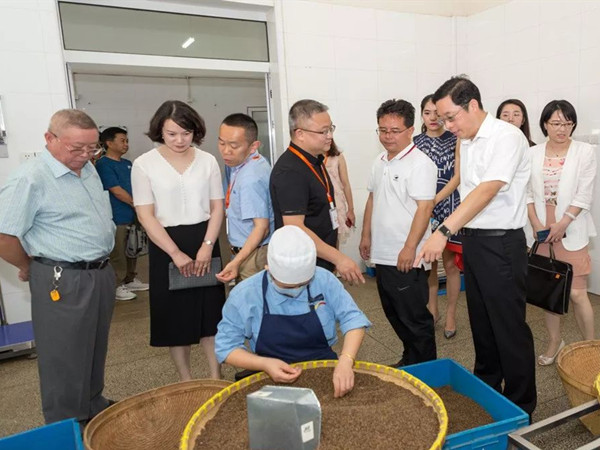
[54, 294]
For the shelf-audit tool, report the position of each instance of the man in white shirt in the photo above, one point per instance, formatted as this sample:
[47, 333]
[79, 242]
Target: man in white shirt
[494, 175]
[401, 188]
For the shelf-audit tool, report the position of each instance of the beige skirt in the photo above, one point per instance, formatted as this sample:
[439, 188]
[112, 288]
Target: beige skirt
[579, 259]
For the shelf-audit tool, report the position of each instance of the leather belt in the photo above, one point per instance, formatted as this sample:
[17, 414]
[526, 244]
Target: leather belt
[483, 232]
[78, 265]
[236, 250]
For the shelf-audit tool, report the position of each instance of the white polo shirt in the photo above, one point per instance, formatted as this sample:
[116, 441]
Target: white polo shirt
[396, 186]
[497, 153]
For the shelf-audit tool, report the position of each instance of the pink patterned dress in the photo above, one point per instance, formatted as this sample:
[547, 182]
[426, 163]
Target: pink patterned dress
[332, 165]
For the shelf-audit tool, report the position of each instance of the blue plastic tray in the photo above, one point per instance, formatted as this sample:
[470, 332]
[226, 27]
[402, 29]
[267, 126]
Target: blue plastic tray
[507, 416]
[63, 435]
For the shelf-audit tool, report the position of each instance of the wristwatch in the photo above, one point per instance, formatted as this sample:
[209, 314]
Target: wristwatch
[444, 230]
[208, 242]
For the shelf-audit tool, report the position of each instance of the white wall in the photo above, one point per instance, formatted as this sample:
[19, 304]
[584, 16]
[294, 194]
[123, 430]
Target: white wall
[353, 59]
[32, 85]
[539, 51]
[131, 101]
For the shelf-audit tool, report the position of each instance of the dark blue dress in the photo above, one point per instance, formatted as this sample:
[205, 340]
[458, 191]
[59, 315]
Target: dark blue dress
[441, 150]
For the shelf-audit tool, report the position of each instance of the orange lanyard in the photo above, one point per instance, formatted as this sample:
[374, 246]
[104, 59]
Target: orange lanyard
[310, 166]
[232, 182]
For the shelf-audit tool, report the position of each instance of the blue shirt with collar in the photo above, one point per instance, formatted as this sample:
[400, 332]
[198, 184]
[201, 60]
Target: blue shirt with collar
[55, 213]
[249, 199]
[115, 173]
[243, 311]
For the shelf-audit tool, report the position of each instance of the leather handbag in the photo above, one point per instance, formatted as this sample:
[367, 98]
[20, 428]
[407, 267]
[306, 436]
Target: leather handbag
[178, 281]
[548, 281]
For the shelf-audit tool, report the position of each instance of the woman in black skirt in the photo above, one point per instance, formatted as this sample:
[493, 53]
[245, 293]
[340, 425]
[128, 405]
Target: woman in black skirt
[178, 198]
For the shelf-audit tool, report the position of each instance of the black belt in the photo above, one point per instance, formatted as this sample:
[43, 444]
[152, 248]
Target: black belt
[78, 265]
[483, 232]
[236, 250]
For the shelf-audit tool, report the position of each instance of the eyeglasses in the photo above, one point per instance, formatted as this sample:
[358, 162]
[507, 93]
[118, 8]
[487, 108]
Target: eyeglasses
[323, 133]
[452, 118]
[90, 150]
[393, 131]
[559, 125]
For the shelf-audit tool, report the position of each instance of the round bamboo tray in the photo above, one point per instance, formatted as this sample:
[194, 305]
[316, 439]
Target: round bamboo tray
[151, 420]
[386, 373]
[578, 365]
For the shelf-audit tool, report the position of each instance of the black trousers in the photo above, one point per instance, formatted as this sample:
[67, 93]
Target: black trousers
[404, 298]
[495, 274]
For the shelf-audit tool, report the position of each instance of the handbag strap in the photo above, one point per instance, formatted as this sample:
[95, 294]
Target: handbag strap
[535, 246]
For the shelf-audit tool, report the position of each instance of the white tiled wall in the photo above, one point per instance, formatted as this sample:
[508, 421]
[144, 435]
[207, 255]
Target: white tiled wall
[32, 86]
[353, 59]
[539, 51]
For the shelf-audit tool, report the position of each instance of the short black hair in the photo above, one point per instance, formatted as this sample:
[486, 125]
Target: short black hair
[461, 91]
[400, 108]
[565, 107]
[243, 121]
[183, 115]
[110, 133]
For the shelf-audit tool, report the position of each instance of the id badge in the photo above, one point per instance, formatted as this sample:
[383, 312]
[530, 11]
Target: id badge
[227, 225]
[334, 218]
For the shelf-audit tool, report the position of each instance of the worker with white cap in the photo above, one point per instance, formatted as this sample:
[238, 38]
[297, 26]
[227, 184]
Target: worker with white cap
[288, 314]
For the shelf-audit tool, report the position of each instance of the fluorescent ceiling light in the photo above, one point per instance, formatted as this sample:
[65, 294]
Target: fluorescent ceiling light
[188, 42]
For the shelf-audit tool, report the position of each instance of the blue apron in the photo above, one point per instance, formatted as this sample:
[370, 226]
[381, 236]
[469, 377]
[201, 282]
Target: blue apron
[292, 338]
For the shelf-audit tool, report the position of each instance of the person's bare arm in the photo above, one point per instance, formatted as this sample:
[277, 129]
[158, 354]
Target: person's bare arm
[406, 257]
[277, 369]
[161, 238]
[204, 254]
[351, 218]
[472, 205]
[13, 253]
[343, 375]
[346, 267]
[121, 194]
[257, 235]
[454, 181]
[365, 238]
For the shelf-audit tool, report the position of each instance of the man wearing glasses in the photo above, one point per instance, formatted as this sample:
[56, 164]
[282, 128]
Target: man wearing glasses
[494, 175]
[401, 188]
[56, 228]
[301, 190]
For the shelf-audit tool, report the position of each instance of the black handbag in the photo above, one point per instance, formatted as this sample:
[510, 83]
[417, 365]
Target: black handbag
[548, 281]
[178, 281]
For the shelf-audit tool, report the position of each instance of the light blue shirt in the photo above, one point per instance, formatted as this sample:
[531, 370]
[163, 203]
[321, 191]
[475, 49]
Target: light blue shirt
[243, 311]
[249, 199]
[55, 213]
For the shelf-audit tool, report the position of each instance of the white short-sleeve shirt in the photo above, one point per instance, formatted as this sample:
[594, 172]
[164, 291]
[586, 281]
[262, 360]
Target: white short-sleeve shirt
[498, 152]
[178, 199]
[396, 186]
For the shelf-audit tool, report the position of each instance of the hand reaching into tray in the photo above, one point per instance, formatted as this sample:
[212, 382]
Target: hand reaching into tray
[343, 377]
[280, 371]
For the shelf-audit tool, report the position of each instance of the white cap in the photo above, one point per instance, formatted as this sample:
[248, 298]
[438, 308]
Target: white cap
[292, 255]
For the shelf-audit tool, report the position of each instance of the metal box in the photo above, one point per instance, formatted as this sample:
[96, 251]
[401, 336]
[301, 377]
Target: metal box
[284, 417]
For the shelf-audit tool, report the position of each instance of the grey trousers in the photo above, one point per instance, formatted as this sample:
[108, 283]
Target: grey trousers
[71, 337]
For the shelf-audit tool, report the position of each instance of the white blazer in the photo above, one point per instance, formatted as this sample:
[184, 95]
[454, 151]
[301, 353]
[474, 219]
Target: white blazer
[576, 187]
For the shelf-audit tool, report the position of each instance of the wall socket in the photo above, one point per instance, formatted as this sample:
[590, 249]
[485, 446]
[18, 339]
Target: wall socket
[29, 155]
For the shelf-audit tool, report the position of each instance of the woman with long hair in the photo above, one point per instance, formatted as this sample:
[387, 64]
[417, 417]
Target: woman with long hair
[443, 149]
[514, 111]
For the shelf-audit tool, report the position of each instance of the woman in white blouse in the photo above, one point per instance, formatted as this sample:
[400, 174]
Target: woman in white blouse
[178, 198]
[559, 200]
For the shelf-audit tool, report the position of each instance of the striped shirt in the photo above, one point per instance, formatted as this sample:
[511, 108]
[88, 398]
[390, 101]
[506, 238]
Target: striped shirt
[55, 213]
